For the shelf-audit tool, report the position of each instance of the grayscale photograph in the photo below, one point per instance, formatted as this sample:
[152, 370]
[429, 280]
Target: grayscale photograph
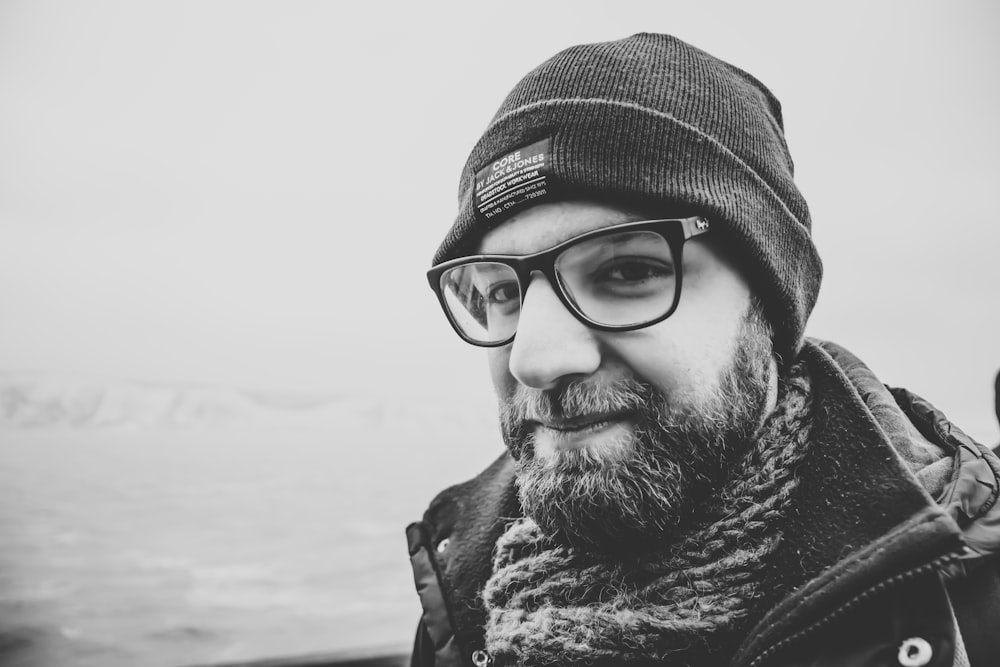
[522, 334]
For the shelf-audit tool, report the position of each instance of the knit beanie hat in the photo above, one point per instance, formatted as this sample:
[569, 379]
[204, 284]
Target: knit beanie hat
[651, 122]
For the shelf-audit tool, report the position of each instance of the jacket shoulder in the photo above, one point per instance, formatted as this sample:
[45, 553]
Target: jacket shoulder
[465, 510]
[451, 552]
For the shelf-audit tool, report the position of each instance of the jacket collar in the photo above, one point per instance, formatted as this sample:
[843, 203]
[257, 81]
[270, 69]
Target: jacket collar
[862, 494]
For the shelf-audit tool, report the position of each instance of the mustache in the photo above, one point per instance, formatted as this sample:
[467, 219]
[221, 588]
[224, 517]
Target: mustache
[577, 399]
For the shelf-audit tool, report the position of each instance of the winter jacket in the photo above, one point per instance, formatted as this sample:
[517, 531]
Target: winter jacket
[892, 541]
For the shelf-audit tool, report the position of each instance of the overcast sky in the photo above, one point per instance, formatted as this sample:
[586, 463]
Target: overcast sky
[249, 193]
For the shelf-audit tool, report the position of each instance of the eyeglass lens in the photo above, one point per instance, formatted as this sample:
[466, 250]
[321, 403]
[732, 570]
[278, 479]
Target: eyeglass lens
[615, 280]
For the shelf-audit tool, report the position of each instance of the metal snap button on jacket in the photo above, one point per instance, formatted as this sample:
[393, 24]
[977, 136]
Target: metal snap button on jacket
[914, 652]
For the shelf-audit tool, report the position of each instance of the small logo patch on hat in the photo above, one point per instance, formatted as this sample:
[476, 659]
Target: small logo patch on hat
[514, 180]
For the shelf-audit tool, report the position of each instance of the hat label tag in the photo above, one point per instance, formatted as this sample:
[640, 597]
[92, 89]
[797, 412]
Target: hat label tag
[514, 180]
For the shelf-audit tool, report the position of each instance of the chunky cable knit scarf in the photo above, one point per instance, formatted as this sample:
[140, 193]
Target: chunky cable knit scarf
[689, 605]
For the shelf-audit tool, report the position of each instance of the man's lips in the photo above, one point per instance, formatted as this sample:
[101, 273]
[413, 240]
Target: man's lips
[597, 431]
[580, 423]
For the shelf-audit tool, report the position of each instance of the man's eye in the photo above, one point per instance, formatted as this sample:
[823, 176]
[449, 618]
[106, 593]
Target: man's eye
[634, 270]
[503, 292]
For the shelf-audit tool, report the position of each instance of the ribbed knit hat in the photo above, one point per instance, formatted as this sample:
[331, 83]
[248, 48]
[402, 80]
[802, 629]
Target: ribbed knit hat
[655, 123]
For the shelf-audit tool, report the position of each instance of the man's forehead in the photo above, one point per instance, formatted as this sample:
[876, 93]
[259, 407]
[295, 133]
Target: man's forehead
[546, 225]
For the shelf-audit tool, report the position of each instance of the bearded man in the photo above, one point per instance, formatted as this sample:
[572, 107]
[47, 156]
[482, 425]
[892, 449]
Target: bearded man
[688, 480]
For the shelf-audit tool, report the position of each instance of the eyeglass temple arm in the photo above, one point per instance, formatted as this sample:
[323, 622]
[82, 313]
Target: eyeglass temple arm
[694, 226]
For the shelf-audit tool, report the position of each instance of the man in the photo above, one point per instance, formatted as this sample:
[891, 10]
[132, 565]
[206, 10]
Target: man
[688, 480]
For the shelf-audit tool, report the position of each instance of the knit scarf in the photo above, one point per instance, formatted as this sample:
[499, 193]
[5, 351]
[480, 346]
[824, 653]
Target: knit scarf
[688, 604]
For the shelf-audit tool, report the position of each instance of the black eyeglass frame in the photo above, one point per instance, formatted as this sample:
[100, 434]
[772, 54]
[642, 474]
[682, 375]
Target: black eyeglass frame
[675, 231]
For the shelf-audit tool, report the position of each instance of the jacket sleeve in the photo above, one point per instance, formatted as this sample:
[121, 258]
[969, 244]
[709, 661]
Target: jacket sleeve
[976, 600]
[423, 648]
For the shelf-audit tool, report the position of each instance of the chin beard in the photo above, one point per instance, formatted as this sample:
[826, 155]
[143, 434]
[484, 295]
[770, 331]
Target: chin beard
[637, 495]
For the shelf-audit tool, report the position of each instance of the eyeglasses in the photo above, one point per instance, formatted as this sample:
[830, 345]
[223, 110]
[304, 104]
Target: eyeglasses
[618, 278]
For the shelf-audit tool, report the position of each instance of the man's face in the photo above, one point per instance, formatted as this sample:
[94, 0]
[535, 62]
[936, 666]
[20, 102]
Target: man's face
[620, 434]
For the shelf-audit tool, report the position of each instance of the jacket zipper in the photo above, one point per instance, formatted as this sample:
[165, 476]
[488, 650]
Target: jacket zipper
[882, 586]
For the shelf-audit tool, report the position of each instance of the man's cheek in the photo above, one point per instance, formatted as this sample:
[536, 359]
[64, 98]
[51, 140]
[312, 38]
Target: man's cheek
[503, 382]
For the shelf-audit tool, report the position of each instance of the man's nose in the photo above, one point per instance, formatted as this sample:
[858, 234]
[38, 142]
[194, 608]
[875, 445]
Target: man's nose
[550, 344]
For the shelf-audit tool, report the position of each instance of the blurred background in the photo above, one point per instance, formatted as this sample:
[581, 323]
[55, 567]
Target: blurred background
[225, 387]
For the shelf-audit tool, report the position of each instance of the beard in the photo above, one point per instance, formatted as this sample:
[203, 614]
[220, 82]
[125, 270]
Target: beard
[635, 495]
